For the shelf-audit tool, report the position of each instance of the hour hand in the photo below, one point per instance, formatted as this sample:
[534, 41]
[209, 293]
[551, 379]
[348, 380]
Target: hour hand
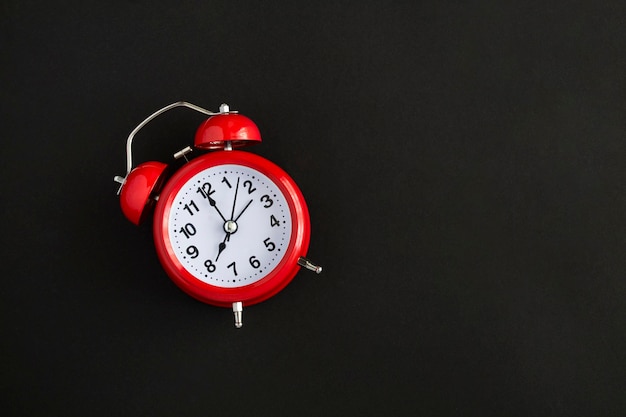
[214, 205]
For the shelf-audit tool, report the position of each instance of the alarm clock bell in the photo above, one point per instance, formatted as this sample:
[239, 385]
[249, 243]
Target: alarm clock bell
[223, 130]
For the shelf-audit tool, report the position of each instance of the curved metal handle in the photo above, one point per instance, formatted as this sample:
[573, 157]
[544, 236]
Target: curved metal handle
[129, 142]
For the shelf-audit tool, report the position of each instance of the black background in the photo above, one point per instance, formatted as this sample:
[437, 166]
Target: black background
[464, 166]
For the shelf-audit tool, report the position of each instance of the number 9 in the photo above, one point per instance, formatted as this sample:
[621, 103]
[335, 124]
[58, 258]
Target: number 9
[192, 251]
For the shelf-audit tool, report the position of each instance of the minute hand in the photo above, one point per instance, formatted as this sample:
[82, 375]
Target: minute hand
[244, 209]
[232, 213]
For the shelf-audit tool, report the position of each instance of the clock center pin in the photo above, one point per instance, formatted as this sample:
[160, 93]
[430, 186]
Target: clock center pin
[230, 226]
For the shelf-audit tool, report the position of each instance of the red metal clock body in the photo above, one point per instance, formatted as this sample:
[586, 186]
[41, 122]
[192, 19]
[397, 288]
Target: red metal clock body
[206, 287]
[230, 228]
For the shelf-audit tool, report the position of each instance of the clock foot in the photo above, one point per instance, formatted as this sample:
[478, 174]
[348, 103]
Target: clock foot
[304, 262]
[238, 312]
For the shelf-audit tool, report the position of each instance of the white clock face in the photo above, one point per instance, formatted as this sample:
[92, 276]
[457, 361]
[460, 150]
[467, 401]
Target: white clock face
[229, 226]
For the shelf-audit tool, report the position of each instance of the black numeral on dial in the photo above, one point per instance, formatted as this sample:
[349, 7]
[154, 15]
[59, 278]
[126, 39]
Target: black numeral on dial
[232, 265]
[188, 230]
[210, 266]
[273, 221]
[254, 262]
[267, 200]
[248, 183]
[192, 251]
[190, 206]
[206, 190]
[269, 244]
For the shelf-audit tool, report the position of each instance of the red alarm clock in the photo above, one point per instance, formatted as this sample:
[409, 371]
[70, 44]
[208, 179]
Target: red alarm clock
[230, 228]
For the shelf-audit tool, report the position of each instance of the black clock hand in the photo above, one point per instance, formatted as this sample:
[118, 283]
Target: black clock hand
[244, 209]
[214, 204]
[222, 246]
[227, 223]
[232, 213]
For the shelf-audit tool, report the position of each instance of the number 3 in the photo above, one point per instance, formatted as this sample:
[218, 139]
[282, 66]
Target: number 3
[266, 198]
